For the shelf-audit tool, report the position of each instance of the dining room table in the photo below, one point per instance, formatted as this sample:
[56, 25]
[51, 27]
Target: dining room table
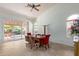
[43, 40]
[37, 38]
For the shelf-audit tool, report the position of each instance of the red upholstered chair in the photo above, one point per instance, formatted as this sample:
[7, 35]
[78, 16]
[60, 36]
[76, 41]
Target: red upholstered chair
[41, 41]
[46, 41]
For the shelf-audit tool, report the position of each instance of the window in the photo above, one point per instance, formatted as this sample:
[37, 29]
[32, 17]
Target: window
[35, 28]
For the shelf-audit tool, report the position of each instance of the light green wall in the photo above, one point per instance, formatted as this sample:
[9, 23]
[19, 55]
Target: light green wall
[56, 18]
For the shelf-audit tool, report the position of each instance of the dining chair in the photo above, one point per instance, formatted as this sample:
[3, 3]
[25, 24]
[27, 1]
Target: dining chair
[34, 42]
[44, 41]
[28, 33]
[27, 38]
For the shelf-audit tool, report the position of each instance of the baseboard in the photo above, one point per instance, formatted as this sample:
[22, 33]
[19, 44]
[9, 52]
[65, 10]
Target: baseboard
[62, 44]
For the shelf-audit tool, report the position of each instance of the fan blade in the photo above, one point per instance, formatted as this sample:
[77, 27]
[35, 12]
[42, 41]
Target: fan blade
[29, 5]
[36, 9]
[37, 5]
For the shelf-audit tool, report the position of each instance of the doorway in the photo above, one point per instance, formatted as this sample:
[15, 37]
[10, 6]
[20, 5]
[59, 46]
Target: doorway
[12, 32]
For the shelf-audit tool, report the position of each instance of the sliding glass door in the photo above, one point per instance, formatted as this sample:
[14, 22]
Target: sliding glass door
[13, 32]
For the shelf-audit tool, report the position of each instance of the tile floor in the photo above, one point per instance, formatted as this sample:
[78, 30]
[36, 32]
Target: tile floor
[18, 48]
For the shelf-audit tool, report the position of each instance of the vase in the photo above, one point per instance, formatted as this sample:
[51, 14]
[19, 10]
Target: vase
[76, 45]
[76, 38]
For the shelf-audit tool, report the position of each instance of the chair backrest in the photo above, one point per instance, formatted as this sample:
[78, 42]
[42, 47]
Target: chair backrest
[28, 33]
[31, 40]
[28, 37]
[41, 40]
[46, 39]
[47, 36]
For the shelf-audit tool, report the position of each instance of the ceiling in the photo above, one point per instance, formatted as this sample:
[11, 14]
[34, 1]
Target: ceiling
[21, 9]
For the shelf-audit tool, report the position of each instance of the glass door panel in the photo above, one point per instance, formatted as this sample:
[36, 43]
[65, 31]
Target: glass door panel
[12, 32]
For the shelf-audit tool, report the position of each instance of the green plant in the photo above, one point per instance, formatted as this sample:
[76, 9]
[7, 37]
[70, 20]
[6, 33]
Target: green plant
[75, 29]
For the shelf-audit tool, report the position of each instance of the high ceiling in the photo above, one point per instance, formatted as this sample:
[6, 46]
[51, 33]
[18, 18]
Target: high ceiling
[21, 9]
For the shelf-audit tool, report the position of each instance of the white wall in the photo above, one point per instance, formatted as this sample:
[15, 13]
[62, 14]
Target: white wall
[1, 31]
[56, 18]
[6, 14]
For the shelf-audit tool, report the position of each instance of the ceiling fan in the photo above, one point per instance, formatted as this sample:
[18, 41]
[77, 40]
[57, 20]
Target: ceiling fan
[34, 6]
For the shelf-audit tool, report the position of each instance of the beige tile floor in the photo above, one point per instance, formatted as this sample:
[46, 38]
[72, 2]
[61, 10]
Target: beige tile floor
[18, 48]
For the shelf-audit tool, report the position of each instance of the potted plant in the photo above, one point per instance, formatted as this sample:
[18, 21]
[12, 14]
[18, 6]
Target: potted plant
[75, 30]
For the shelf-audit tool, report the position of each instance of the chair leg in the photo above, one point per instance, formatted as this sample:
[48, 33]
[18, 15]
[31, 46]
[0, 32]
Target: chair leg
[30, 46]
[45, 46]
[26, 44]
[48, 45]
[37, 45]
